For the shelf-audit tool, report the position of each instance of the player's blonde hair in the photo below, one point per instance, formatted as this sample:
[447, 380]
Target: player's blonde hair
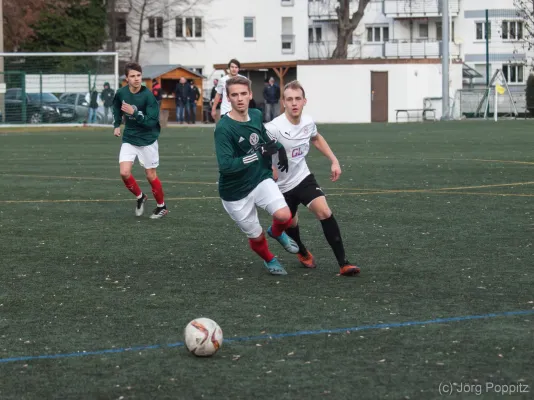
[237, 80]
[295, 85]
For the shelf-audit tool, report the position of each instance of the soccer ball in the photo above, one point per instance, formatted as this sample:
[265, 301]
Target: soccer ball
[203, 337]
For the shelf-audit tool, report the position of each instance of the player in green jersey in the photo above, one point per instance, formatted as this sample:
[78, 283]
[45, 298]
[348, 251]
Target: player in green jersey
[244, 151]
[139, 108]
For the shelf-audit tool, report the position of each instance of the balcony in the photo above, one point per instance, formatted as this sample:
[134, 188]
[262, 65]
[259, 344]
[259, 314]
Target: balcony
[418, 8]
[418, 49]
[323, 10]
[324, 50]
[392, 49]
[122, 6]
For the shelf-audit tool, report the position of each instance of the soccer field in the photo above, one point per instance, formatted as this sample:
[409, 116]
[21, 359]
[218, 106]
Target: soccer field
[439, 216]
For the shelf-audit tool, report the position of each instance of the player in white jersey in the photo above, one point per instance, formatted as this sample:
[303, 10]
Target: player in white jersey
[295, 131]
[226, 107]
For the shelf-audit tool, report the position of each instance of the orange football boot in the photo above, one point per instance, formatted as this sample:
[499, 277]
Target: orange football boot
[349, 270]
[308, 260]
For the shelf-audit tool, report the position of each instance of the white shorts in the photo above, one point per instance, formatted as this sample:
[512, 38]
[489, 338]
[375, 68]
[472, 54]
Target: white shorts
[267, 196]
[148, 155]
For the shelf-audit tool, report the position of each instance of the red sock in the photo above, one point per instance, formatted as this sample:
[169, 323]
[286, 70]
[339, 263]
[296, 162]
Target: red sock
[157, 190]
[261, 248]
[132, 186]
[279, 227]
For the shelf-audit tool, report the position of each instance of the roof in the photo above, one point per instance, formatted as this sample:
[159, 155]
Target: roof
[469, 72]
[153, 71]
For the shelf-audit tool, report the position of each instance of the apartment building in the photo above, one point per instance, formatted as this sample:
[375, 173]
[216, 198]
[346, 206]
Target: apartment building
[280, 30]
[413, 29]
[214, 31]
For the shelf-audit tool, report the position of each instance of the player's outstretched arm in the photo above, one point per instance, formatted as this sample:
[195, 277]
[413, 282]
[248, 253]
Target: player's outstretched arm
[271, 132]
[321, 144]
[214, 105]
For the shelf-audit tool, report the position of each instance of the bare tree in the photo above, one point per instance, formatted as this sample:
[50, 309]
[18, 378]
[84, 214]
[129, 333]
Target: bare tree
[525, 10]
[347, 23]
[164, 13]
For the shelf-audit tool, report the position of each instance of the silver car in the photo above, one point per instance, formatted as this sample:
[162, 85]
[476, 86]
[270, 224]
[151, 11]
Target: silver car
[82, 107]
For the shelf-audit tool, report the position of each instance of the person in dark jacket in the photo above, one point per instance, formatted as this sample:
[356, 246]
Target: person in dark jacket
[182, 95]
[195, 95]
[271, 95]
[107, 98]
[93, 106]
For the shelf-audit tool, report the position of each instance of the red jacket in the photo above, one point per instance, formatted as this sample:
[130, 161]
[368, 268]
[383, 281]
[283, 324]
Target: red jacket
[156, 91]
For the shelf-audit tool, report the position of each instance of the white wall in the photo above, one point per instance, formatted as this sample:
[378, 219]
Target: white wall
[223, 35]
[342, 93]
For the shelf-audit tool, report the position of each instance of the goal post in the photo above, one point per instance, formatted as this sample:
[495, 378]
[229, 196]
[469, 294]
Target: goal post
[55, 88]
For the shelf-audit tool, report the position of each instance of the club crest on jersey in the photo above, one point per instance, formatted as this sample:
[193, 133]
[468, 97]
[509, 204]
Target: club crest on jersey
[306, 130]
[254, 139]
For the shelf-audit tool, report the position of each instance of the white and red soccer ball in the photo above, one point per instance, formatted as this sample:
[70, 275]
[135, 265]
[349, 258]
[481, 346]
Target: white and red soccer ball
[203, 337]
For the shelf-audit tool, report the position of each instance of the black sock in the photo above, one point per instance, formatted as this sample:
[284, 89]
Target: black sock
[333, 237]
[294, 233]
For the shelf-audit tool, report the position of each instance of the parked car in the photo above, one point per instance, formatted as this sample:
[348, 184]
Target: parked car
[79, 101]
[40, 108]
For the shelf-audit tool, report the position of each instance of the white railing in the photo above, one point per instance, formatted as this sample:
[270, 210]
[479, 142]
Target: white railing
[391, 49]
[414, 8]
[325, 9]
[418, 49]
[325, 49]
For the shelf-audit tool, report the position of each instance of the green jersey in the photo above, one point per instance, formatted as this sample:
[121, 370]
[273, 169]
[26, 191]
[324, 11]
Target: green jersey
[241, 165]
[142, 127]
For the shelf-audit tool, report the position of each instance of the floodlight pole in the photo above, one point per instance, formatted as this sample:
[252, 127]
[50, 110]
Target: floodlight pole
[445, 43]
[2, 80]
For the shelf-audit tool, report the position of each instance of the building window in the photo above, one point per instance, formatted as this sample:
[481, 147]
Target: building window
[512, 30]
[481, 31]
[249, 23]
[315, 34]
[513, 73]
[189, 27]
[287, 35]
[155, 27]
[377, 34]
[121, 30]
[423, 31]
[198, 70]
[385, 34]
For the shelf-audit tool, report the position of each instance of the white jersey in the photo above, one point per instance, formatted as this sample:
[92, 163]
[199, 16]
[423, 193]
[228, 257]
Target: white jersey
[296, 141]
[221, 89]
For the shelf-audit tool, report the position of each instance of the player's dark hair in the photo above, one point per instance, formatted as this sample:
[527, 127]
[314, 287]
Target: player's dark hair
[234, 61]
[237, 80]
[295, 85]
[132, 67]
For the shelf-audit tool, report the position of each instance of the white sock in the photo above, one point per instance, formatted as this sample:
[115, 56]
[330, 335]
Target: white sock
[141, 195]
[161, 205]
